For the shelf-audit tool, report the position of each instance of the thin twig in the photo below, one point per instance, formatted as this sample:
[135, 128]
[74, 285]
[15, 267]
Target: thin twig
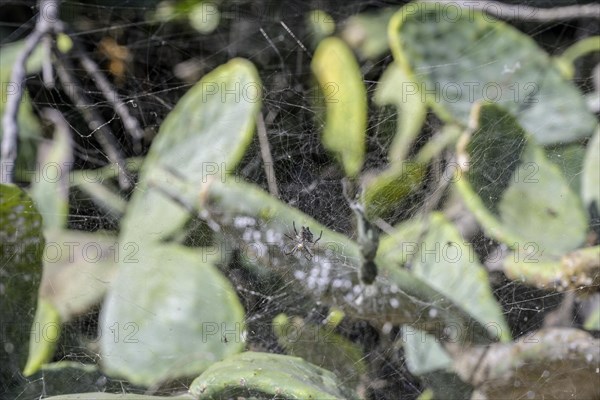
[47, 72]
[268, 39]
[129, 122]
[265, 152]
[368, 236]
[98, 127]
[302, 46]
[478, 364]
[10, 126]
[526, 13]
[384, 226]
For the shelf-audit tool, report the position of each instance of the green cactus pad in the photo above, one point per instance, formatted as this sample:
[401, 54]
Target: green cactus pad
[268, 376]
[483, 59]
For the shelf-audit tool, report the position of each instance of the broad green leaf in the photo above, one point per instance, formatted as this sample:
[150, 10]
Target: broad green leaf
[569, 159]
[21, 252]
[395, 87]
[590, 182]
[78, 269]
[437, 254]
[483, 59]
[78, 266]
[401, 245]
[44, 336]
[345, 98]
[175, 297]
[423, 352]
[168, 313]
[426, 358]
[202, 139]
[515, 192]
[320, 345]
[544, 210]
[268, 376]
[383, 194]
[451, 267]
[51, 190]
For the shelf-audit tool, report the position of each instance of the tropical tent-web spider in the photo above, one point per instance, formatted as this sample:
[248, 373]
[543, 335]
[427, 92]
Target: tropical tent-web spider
[303, 241]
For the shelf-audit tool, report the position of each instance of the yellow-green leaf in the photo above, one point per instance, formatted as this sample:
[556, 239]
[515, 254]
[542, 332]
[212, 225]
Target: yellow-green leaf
[202, 138]
[345, 98]
[43, 337]
[397, 88]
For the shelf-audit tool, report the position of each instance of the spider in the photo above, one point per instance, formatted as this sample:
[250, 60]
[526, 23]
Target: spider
[303, 240]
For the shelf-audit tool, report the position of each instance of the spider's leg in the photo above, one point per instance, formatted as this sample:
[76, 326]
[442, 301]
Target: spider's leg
[309, 253]
[292, 251]
[315, 242]
[289, 237]
[294, 223]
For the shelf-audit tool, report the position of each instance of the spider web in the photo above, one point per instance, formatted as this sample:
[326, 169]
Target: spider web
[165, 60]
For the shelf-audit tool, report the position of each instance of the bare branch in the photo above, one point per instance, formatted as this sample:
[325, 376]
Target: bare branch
[265, 151]
[48, 22]
[534, 364]
[129, 122]
[10, 127]
[99, 128]
[526, 13]
[47, 73]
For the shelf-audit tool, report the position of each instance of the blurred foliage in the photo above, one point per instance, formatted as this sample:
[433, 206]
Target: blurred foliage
[175, 279]
[21, 248]
[262, 375]
[29, 125]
